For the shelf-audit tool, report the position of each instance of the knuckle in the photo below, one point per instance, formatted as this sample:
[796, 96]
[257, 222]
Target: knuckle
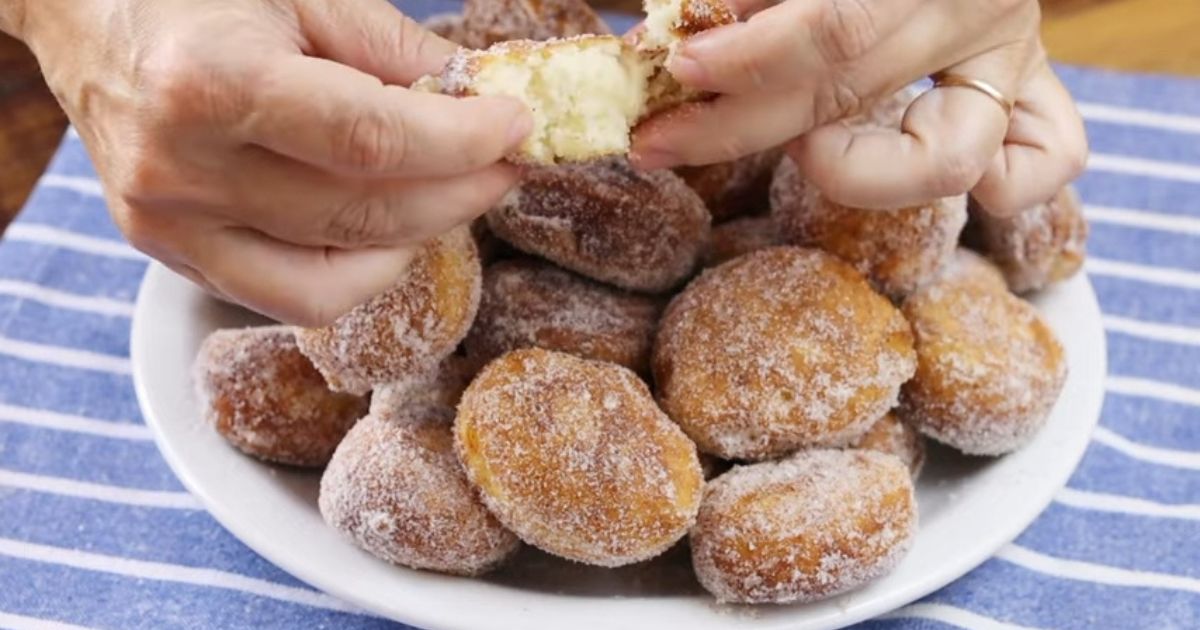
[1075, 157]
[373, 142]
[363, 221]
[837, 100]
[845, 31]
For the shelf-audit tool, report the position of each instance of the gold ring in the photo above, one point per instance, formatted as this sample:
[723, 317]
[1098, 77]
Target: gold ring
[946, 79]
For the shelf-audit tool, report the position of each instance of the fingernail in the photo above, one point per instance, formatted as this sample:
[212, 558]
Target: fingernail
[520, 128]
[652, 159]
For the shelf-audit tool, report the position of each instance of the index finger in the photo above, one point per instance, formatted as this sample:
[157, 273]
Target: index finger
[337, 118]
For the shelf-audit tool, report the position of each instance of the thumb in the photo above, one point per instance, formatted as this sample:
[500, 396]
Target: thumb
[373, 37]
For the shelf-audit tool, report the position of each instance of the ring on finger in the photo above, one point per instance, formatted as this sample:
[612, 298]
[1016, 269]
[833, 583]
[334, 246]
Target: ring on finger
[948, 79]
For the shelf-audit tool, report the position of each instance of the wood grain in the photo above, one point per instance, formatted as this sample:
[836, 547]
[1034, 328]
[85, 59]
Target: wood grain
[1135, 35]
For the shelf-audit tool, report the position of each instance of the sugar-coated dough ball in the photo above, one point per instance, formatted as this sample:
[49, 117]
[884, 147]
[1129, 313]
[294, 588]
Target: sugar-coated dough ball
[531, 303]
[267, 399]
[574, 456]
[735, 188]
[443, 385]
[781, 349]
[892, 436]
[408, 329]
[739, 237]
[898, 250]
[1036, 247]
[394, 487]
[804, 528]
[989, 369]
[492, 21]
[638, 230]
[967, 267]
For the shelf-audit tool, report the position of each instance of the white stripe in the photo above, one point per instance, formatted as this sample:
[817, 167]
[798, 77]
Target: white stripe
[72, 132]
[1143, 219]
[1097, 573]
[66, 357]
[951, 615]
[1152, 454]
[98, 492]
[1167, 276]
[89, 186]
[21, 622]
[49, 235]
[1125, 505]
[62, 299]
[195, 576]
[76, 424]
[1146, 388]
[1153, 331]
[1139, 117]
[1157, 169]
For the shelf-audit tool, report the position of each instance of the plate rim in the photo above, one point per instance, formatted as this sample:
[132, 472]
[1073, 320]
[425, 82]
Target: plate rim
[421, 618]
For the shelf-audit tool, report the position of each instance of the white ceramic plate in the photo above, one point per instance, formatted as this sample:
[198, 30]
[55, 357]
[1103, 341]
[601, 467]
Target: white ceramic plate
[969, 507]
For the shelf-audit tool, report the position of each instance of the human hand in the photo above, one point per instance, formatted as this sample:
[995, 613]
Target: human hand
[791, 71]
[267, 149]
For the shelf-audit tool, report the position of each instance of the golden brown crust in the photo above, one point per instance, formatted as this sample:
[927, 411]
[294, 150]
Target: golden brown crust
[529, 303]
[637, 230]
[736, 188]
[738, 237]
[804, 528]
[891, 436]
[489, 22]
[408, 329]
[264, 397]
[574, 456]
[898, 250]
[1034, 248]
[395, 488]
[989, 369]
[778, 350]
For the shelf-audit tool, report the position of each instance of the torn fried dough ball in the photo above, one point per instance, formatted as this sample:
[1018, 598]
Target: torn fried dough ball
[489, 22]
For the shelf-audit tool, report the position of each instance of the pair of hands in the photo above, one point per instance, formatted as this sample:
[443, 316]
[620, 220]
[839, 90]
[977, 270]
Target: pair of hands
[268, 150]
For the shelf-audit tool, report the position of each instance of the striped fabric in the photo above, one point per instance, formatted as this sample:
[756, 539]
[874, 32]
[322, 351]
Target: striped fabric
[95, 530]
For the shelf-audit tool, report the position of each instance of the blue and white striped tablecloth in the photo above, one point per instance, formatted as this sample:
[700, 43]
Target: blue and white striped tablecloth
[95, 531]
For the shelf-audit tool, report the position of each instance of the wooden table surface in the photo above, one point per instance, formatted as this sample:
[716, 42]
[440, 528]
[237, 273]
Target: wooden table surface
[1133, 35]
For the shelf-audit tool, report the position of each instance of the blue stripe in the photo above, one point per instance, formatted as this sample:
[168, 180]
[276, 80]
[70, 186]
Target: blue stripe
[84, 457]
[1141, 193]
[1147, 301]
[1154, 93]
[1144, 247]
[35, 322]
[1108, 471]
[73, 211]
[71, 271]
[66, 390]
[199, 541]
[1155, 360]
[1144, 142]
[112, 601]
[1152, 422]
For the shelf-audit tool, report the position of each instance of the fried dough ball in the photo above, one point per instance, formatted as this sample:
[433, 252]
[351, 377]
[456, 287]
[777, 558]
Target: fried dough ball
[395, 488]
[892, 437]
[1035, 248]
[736, 188]
[529, 303]
[451, 27]
[778, 350]
[739, 237]
[989, 369]
[804, 528]
[574, 456]
[637, 230]
[493, 21]
[898, 250]
[408, 329]
[268, 400]
[970, 268]
[442, 385]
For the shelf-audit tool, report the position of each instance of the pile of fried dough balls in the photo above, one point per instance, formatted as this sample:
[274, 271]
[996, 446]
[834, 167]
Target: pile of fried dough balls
[596, 370]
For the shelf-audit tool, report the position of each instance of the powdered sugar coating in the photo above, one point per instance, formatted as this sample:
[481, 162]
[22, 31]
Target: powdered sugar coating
[408, 329]
[1036, 247]
[805, 528]
[395, 488]
[264, 397]
[531, 303]
[449, 26]
[736, 188]
[778, 350]
[492, 21]
[443, 386]
[638, 230]
[989, 369]
[891, 436]
[898, 250]
[967, 267]
[739, 237]
[574, 456]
